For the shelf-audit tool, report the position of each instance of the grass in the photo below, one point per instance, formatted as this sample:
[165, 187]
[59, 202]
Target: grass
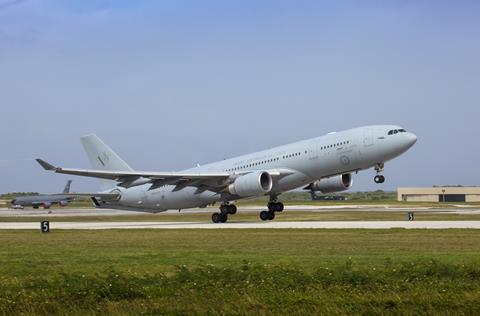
[234, 272]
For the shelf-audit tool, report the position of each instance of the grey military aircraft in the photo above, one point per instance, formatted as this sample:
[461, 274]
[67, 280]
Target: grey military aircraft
[44, 200]
[324, 164]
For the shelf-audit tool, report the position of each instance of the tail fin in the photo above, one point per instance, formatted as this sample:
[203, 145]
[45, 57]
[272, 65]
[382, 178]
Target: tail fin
[67, 187]
[103, 157]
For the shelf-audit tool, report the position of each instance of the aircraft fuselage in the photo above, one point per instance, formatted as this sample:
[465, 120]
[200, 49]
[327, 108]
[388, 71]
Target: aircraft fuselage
[302, 163]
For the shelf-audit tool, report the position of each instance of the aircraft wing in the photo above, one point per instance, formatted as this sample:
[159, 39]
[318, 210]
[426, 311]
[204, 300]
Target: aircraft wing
[127, 179]
[213, 181]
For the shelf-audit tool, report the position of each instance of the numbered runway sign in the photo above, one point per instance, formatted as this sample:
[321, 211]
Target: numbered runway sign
[45, 226]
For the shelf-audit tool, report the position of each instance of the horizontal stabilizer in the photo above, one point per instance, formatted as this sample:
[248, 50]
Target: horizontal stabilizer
[45, 165]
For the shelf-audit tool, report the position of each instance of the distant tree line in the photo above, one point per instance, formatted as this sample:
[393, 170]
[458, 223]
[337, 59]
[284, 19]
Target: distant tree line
[12, 195]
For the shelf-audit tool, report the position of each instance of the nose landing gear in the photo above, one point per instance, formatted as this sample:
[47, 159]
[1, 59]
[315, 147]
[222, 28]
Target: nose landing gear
[379, 169]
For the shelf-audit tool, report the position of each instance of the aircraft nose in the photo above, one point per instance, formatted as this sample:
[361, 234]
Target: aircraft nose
[13, 202]
[411, 139]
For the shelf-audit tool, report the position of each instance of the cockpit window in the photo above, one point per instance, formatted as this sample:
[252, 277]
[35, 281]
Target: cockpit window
[396, 131]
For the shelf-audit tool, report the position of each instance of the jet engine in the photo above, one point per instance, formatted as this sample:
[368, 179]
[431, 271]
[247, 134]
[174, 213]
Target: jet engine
[252, 184]
[333, 184]
[63, 203]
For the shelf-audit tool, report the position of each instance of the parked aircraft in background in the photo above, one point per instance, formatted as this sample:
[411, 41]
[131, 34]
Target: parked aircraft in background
[44, 200]
[324, 164]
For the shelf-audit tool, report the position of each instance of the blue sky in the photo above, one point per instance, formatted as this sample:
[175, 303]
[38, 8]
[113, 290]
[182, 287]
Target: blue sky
[169, 84]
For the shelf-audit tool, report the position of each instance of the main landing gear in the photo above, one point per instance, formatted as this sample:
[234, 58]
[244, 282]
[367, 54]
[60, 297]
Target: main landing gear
[273, 207]
[379, 169]
[225, 210]
[230, 209]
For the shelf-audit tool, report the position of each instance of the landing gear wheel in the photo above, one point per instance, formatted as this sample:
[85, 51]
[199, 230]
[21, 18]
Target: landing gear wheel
[232, 209]
[224, 209]
[272, 206]
[228, 209]
[223, 218]
[219, 218]
[216, 217]
[271, 215]
[265, 215]
[280, 207]
[379, 179]
[275, 207]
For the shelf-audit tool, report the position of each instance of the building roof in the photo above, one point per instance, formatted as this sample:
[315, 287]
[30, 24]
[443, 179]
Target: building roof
[440, 190]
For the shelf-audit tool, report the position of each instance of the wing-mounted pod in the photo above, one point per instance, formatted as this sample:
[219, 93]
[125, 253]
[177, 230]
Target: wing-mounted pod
[252, 184]
[333, 184]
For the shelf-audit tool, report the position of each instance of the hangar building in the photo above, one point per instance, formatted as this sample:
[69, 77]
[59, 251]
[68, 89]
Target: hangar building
[439, 194]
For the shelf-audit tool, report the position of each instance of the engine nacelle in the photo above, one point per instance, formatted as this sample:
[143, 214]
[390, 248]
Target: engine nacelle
[63, 203]
[252, 184]
[333, 184]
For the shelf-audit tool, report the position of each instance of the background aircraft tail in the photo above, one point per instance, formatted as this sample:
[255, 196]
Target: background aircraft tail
[103, 157]
[67, 187]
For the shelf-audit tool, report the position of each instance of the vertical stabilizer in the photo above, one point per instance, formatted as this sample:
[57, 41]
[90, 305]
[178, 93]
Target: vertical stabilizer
[67, 187]
[103, 157]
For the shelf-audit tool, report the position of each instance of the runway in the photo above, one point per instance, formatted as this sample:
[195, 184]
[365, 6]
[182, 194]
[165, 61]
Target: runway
[249, 225]
[76, 212]
[59, 219]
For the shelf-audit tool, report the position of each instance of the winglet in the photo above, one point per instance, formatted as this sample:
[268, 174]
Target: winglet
[45, 165]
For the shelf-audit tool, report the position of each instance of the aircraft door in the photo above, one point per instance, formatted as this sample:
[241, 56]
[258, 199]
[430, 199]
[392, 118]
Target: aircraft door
[314, 150]
[368, 138]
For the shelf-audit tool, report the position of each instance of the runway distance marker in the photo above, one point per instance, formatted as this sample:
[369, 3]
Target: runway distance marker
[45, 226]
